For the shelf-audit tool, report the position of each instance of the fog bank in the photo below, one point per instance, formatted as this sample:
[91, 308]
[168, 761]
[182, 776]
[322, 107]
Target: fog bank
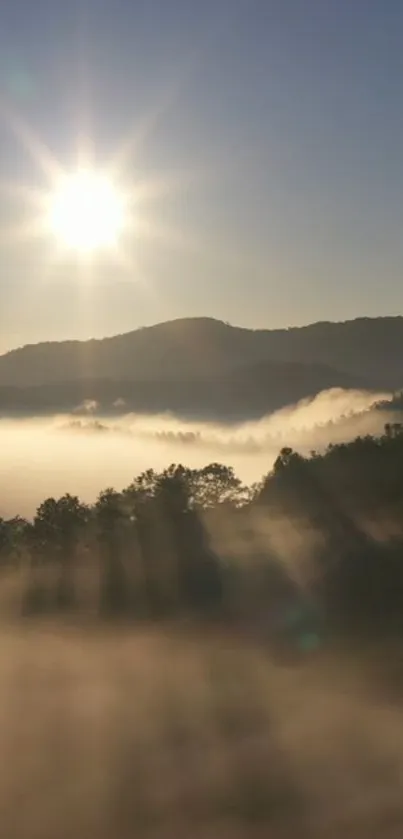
[84, 454]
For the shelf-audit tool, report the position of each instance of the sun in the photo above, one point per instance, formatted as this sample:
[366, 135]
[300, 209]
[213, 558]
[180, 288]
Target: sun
[89, 216]
[86, 212]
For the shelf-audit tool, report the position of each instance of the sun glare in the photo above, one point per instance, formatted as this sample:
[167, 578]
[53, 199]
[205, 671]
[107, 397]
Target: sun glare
[86, 212]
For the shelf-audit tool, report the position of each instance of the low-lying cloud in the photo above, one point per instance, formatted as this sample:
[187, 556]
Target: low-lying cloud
[83, 454]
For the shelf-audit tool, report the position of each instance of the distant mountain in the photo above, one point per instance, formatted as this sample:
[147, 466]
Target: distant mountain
[201, 366]
[200, 347]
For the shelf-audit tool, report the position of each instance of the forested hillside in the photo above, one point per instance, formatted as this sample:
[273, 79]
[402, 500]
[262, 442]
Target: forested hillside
[367, 349]
[324, 530]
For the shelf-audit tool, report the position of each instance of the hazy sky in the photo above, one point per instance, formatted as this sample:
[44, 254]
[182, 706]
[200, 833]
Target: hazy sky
[276, 127]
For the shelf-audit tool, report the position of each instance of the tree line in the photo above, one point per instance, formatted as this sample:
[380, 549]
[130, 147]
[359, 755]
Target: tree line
[320, 533]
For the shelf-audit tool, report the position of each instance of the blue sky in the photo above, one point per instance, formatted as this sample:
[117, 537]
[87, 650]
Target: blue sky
[277, 126]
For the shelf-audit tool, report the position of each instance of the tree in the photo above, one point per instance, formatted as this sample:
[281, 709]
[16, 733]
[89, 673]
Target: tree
[158, 502]
[199, 571]
[143, 486]
[57, 528]
[110, 514]
[179, 568]
[4, 542]
[215, 484]
[11, 540]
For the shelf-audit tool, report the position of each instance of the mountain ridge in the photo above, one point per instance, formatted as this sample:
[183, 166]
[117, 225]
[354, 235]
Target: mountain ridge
[364, 348]
[210, 320]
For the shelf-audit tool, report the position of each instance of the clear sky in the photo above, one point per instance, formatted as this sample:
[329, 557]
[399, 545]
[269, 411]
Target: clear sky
[275, 128]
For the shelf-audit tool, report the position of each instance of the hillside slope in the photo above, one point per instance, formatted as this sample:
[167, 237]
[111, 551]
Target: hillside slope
[242, 393]
[369, 349]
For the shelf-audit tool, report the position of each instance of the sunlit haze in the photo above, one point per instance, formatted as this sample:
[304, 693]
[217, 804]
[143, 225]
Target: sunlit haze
[85, 454]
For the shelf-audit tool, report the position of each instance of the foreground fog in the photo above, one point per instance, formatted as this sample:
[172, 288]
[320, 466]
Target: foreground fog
[82, 454]
[115, 735]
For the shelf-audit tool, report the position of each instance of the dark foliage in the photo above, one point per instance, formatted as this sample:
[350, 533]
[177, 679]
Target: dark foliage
[198, 542]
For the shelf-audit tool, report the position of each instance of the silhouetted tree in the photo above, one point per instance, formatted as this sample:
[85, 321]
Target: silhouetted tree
[215, 484]
[58, 526]
[110, 515]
